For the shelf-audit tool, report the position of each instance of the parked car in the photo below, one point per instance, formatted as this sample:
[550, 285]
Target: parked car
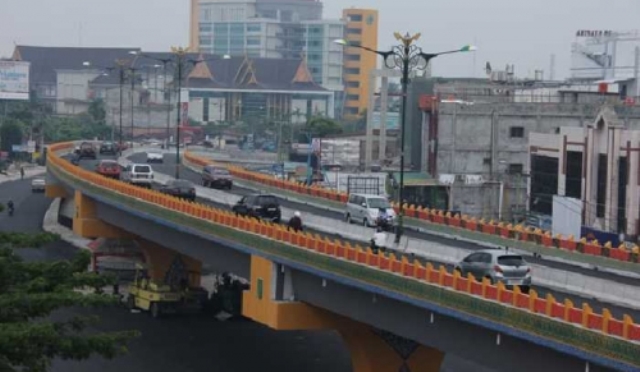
[155, 157]
[108, 148]
[365, 209]
[497, 265]
[263, 206]
[180, 189]
[87, 150]
[109, 168]
[214, 176]
[38, 185]
[138, 174]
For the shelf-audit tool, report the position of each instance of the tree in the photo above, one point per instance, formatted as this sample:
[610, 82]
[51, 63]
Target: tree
[98, 112]
[29, 292]
[321, 127]
[10, 134]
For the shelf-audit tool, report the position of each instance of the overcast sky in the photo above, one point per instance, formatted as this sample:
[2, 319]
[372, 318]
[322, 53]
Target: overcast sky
[524, 33]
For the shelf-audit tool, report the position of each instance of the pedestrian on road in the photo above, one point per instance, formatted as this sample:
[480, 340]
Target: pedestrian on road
[295, 222]
[378, 241]
[21, 173]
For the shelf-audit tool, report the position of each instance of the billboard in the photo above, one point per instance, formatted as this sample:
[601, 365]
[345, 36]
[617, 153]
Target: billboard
[14, 80]
[393, 120]
[567, 216]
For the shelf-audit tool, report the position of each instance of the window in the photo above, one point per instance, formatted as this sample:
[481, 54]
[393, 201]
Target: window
[515, 168]
[253, 41]
[351, 110]
[353, 97]
[516, 132]
[352, 57]
[206, 27]
[353, 84]
[511, 261]
[354, 31]
[354, 18]
[254, 28]
[352, 71]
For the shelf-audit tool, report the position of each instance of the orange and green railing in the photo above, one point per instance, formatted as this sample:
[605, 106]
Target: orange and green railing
[562, 321]
[497, 232]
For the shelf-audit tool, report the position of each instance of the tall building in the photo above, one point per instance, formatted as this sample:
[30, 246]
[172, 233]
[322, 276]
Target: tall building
[272, 29]
[362, 29]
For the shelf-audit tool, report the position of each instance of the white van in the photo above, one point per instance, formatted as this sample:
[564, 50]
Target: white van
[138, 174]
[365, 209]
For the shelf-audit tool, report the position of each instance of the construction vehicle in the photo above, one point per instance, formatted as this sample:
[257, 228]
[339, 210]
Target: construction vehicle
[174, 295]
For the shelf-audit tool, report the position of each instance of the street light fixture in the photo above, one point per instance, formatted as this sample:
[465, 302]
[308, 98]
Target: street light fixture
[406, 56]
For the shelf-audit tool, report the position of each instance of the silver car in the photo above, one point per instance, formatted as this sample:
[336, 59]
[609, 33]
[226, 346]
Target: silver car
[38, 185]
[498, 266]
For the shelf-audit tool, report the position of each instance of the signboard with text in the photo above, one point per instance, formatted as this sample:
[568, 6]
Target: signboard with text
[14, 80]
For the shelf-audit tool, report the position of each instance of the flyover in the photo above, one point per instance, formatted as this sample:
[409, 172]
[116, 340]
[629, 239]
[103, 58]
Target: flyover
[391, 312]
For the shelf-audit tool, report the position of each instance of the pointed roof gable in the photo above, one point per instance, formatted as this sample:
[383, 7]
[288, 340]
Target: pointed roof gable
[246, 74]
[302, 74]
[606, 118]
[201, 70]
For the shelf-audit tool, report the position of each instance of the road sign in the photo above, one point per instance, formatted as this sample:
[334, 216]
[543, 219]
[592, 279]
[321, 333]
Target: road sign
[31, 147]
[17, 148]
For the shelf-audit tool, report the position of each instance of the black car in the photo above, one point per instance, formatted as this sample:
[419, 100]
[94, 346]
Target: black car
[264, 206]
[108, 148]
[180, 189]
[87, 150]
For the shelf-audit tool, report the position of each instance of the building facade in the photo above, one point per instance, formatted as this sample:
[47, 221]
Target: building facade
[271, 29]
[361, 29]
[596, 165]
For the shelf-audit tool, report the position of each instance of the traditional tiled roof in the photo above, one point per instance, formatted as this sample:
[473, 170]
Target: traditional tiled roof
[254, 73]
[46, 60]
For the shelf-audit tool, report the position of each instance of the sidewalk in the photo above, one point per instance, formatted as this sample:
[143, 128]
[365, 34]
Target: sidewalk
[14, 175]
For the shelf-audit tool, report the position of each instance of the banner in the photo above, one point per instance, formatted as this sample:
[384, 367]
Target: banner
[14, 80]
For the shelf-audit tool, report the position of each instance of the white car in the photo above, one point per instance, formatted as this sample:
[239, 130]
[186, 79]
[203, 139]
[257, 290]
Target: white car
[138, 174]
[38, 185]
[155, 157]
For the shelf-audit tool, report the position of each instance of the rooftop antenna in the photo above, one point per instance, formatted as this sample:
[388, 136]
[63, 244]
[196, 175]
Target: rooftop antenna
[552, 68]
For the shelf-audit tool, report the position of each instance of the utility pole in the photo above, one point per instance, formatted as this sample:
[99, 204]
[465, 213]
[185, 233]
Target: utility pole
[133, 93]
[180, 55]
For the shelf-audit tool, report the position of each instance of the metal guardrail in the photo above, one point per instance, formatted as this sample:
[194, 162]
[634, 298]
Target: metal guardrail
[581, 328]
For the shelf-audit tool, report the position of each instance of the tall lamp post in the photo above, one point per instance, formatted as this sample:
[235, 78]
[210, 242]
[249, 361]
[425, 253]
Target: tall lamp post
[406, 56]
[132, 74]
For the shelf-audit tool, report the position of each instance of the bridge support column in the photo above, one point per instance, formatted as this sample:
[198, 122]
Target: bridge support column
[54, 191]
[86, 223]
[165, 265]
[270, 301]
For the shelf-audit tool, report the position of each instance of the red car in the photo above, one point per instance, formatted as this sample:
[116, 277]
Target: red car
[109, 168]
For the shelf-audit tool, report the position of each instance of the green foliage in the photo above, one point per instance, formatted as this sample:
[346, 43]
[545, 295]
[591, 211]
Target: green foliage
[321, 127]
[30, 291]
[11, 133]
[98, 112]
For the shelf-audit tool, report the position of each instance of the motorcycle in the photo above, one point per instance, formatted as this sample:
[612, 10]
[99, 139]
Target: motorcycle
[385, 223]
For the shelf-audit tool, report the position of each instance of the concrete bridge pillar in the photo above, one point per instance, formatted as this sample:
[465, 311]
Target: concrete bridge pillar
[270, 302]
[86, 223]
[163, 262]
[54, 191]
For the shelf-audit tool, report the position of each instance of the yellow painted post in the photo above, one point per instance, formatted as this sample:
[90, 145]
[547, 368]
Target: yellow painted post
[485, 284]
[586, 311]
[568, 306]
[516, 294]
[443, 272]
[550, 302]
[501, 288]
[627, 323]
[456, 277]
[470, 281]
[606, 317]
[428, 271]
[533, 296]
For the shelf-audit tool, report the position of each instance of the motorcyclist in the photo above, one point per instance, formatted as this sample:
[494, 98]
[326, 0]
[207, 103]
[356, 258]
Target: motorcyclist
[383, 218]
[10, 206]
[378, 240]
[295, 222]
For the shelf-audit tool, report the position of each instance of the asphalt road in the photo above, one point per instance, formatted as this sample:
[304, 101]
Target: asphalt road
[196, 343]
[168, 167]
